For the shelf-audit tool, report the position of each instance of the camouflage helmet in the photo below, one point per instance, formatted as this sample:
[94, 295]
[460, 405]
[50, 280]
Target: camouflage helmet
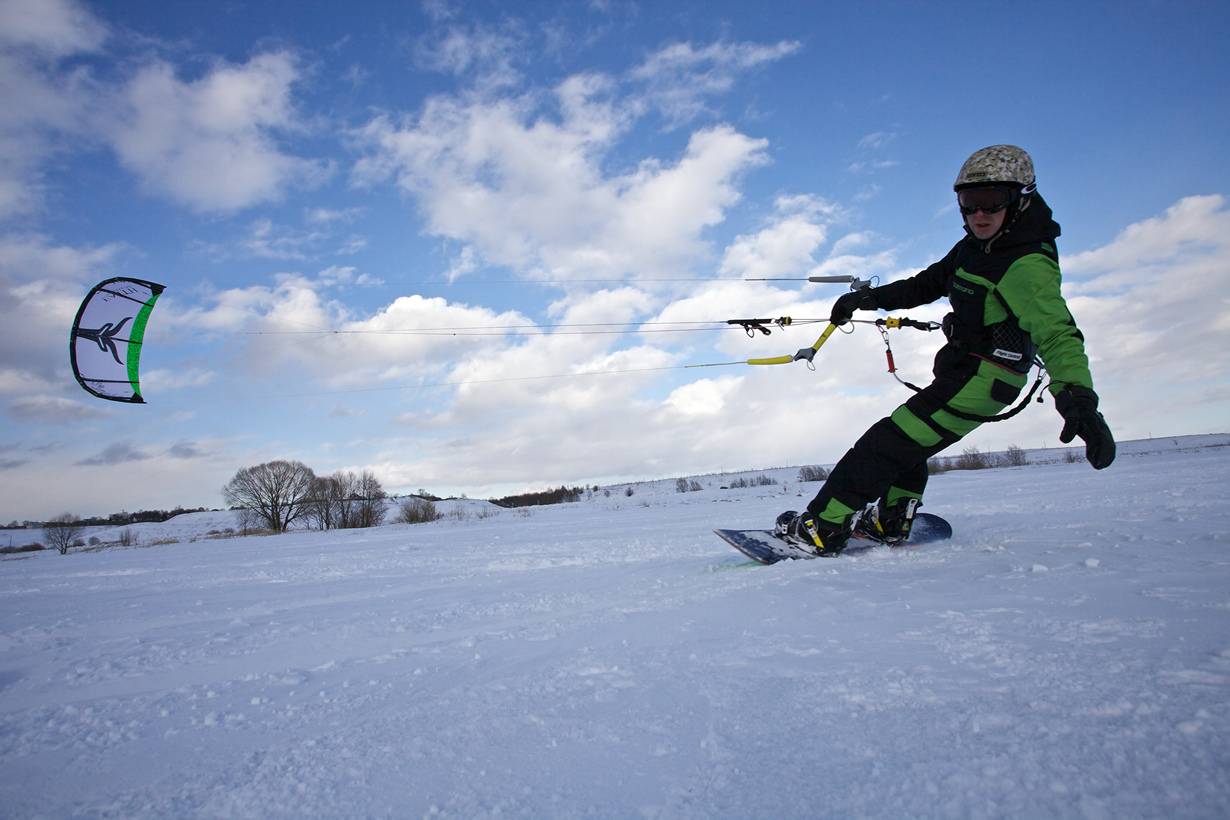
[997, 164]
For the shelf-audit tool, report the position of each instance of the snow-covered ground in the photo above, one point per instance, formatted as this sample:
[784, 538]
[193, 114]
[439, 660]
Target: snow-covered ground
[1067, 654]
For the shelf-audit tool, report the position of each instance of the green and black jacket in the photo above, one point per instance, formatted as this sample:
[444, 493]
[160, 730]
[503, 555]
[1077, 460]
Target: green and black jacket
[1005, 298]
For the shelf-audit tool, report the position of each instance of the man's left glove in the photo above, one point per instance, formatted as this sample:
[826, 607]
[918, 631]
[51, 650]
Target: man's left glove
[1079, 408]
[844, 307]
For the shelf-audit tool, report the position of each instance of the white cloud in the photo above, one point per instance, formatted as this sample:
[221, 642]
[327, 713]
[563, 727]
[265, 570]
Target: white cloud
[343, 411]
[704, 425]
[681, 77]
[119, 452]
[867, 193]
[54, 99]
[488, 54]
[186, 450]
[530, 193]
[510, 395]
[17, 380]
[349, 275]
[412, 338]
[351, 245]
[549, 354]
[876, 140]
[263, 238]
[718, 300]
[267, 241]
[212, 143]
[464, 263]
[1193, 225]
[439, 10]
[329, 216]
[786, 246]
[52, 409]
[871, 166]
[869, 148]
[1153, 307]
[852, 241]
[586, 427]
[34, 258]
[53, 28]
[160, 380]
[530, 181]
[863, 266]
[239, 308]
[706, 397]
[41, 286]
[290, 323]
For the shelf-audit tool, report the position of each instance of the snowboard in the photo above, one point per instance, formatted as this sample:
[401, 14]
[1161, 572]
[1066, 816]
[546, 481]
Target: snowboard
[764, 547]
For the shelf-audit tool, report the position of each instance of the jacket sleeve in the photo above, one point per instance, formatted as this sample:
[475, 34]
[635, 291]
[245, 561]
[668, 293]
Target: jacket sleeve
[1030, 288]
[922, 288]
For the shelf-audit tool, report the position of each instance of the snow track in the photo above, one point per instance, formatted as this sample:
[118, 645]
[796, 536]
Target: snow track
[1067, 654]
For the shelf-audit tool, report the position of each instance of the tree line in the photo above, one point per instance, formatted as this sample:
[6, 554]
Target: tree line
[560, 495]
[120, 519]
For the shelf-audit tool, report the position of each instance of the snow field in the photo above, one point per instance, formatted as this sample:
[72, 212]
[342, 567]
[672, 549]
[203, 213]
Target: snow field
[1067, 654]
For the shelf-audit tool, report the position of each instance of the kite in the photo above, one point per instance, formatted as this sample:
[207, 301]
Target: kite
[105, 344]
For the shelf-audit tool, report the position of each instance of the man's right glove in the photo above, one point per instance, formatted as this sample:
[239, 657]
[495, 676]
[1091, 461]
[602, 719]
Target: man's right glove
[845, 306]
[1079, 408]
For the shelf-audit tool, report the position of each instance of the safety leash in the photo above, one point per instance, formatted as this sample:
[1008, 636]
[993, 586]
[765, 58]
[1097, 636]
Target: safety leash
[884, 324]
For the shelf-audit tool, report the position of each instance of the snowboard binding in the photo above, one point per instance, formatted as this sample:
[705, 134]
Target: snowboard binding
[888, 524]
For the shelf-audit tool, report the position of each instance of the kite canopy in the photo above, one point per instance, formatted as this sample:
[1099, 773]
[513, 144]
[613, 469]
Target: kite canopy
[105, 344]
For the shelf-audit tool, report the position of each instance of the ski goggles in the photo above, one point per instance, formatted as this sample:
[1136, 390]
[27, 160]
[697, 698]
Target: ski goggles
[988, 200]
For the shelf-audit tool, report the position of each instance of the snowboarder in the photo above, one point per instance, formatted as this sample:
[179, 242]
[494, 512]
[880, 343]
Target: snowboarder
[1002, 280]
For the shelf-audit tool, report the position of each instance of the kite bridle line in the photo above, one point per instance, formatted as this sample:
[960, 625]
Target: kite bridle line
[751, 327]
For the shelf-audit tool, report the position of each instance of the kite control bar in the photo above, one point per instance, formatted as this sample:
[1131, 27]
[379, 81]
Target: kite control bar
[808, 354]
[804, 353]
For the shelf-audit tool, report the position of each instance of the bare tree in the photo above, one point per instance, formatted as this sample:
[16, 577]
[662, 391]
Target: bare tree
[324, 509]
[276, 491]
[369, 509]
[1016, 457]
[345, 500]
[972, 458]
[63, 531]
[813, 472]
[414, 510]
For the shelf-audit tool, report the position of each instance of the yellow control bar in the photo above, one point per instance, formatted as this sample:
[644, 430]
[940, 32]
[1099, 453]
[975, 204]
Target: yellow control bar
[806, 353]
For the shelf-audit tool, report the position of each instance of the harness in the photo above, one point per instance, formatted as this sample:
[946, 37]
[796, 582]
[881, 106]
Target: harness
[1003, 344]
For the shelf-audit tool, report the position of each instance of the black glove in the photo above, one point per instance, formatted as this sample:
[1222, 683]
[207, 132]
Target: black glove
[1079, 408]
[844, 307]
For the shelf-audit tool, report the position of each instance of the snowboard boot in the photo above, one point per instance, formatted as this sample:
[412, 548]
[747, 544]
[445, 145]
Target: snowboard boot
[817, 536]
[890, 524]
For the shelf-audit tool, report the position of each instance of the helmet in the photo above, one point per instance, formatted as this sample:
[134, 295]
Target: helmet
[997, 164]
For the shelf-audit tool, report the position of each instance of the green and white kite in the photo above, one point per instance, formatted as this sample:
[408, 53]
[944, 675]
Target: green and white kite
[105, 344]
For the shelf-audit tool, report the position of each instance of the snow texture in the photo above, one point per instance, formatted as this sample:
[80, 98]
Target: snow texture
[1066, 654]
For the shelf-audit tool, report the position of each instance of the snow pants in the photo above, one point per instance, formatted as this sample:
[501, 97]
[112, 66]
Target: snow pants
[889, 462]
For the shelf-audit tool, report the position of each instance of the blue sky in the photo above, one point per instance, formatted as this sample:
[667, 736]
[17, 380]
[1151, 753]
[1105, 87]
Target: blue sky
[377, 167]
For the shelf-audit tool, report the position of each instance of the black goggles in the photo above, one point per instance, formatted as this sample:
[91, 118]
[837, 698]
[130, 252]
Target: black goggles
[987, 200]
